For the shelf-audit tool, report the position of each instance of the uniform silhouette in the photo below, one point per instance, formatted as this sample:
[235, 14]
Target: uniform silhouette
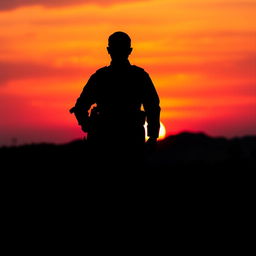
[110, 106]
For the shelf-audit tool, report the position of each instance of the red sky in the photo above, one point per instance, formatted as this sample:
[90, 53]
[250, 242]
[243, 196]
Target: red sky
[201, 56]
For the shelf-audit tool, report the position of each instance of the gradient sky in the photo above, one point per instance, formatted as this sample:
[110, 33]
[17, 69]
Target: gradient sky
[200, 54]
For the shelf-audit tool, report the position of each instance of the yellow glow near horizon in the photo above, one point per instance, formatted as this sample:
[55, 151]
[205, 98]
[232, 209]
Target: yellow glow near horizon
[162, 131]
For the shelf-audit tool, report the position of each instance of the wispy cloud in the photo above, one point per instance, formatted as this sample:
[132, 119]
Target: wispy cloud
[236, 4]
[26, 70]
[12, 4]
[219, 4]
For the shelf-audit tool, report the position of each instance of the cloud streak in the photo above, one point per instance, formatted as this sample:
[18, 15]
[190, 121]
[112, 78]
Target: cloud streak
[12, 4]
[25, 70]
[238, 68]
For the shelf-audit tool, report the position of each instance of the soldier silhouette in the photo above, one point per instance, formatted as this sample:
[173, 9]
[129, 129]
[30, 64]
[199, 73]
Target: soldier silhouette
[109, 108]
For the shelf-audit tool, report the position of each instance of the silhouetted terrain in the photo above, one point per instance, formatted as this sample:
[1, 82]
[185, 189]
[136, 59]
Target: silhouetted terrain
[198, 150]
[188, 172]
[185, 151]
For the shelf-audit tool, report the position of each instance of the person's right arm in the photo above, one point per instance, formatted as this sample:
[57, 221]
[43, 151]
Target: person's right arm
[84, 102]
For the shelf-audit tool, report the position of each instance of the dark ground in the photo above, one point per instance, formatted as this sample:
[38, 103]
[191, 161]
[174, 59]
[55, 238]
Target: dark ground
[182, 160]
[185, 151]
[191, 179]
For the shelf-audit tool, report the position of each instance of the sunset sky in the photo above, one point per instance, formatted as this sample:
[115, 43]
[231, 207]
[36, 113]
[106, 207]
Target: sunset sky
[200, 54]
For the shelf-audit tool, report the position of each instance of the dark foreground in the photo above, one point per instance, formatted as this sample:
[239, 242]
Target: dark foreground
[182, 152]
[191, 178]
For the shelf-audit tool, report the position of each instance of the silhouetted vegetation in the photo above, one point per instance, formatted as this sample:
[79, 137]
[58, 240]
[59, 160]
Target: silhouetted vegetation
[185, 151]
[188, 150]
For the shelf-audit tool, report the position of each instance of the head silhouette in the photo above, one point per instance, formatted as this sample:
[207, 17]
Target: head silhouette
[119, 46]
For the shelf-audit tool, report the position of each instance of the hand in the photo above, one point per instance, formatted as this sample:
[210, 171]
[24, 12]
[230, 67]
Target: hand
[151, 145]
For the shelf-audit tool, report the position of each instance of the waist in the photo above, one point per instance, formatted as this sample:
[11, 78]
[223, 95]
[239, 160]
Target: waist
[117, 115]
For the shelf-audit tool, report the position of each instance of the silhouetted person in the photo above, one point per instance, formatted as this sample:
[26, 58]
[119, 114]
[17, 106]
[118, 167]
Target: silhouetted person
[115, 125]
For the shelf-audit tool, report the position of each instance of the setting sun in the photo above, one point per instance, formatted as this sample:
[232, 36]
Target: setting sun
[162, 131]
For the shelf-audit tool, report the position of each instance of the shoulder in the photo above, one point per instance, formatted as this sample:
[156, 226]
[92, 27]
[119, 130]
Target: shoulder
[140, 72]
[138, 69]
[99, 72]
[102, 70]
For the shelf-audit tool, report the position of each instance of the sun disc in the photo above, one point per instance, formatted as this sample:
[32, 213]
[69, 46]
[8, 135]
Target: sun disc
[162, 131]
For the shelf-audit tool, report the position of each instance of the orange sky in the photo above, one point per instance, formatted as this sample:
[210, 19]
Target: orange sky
[200, 54]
